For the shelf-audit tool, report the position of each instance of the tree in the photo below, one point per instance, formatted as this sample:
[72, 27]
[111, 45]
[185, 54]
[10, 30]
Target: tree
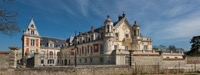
[8, 22]
[162, 47]
[195, 46]
[172, 48]
[155, 48]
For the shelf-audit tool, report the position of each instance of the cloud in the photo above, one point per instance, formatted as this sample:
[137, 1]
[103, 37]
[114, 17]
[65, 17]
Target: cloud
[83, 6]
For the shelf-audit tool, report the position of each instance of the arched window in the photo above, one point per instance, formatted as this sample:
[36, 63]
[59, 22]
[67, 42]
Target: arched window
[134, 32]
[108, 28]
[32, 26]
[51, 54]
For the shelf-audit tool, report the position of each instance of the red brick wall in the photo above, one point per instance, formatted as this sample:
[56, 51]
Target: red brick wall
[37, 42]
[27, 41]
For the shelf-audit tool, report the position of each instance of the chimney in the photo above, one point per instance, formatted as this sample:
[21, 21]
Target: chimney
[92, 29]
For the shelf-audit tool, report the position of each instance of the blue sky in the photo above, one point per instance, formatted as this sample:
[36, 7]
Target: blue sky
[167, 22]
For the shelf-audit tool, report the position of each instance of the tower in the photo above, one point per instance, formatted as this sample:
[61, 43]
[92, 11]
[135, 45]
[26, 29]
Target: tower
[109, 35]
[30, 41]
[136, 35]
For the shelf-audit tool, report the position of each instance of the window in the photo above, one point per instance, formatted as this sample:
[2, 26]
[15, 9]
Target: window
[101, 48]
[32, 32]
[51, 45]
[51, 54]
[69, 62]
[145, 47]
[58, 61]
[101, 60]
[91, 60]
[42, 61]
[85, 60]
[50, 61]
[80, 60]
[85, 50]
[91, 37]
[116, 35]
[127, 60]
[65, 61]
[58, 54]
[80, 51]
[126, 35]
[108, 28]
[42, 53]
[32, 42]
[102, 35]
[134, 32]
[115, 47]
[91, 51]
[126, 48]
[32, 26]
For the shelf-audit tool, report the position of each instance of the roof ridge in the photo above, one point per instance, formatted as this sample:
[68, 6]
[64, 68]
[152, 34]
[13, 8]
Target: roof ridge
[53, 37]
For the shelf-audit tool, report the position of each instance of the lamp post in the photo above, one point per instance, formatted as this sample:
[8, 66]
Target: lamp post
[130, 59]
[75, 48]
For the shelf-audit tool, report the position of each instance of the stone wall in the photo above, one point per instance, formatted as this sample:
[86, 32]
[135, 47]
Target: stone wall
[70, 71]
[4, 61]
[146, 60]
[173, 64]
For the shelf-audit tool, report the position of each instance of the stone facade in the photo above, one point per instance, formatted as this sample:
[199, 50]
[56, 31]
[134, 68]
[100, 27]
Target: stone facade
[15, 56]
[109, 44]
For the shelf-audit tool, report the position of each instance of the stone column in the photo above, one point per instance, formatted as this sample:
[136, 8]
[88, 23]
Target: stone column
[37, 60]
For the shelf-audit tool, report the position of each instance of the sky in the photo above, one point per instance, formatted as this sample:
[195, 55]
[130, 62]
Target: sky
[167, 22]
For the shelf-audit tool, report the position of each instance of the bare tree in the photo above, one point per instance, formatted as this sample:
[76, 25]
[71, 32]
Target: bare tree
[8, 18]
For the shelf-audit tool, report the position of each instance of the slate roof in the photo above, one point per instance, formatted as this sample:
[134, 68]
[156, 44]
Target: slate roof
[57, 42]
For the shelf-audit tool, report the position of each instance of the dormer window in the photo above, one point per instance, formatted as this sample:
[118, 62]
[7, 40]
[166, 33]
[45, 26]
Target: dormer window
[51, 45]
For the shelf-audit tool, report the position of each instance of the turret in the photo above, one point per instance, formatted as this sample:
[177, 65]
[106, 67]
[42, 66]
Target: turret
[136, 30]
[108, 25]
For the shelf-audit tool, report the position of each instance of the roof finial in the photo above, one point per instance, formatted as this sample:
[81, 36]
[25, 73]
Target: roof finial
[123, 14]
[108, 16]
[135, 22]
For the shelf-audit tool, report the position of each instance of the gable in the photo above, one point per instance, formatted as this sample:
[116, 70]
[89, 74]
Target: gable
[123, 25]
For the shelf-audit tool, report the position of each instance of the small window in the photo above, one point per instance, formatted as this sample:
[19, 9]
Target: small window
[32, 26]
[116, 35]
[32, 32]
[145, 47]
[126, 48]
[126, 35]
[85, 60]
[58, 54]
[101, 60]
[91, 60]
[115, 47]
[134, 32]
[42, 61]
[80, 60]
